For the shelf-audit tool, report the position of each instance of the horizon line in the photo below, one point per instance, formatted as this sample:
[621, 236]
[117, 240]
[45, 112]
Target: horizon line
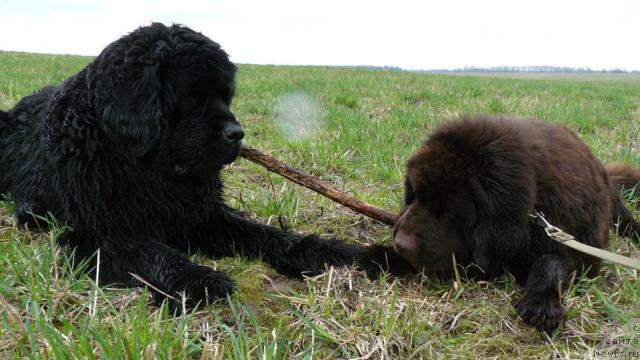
[492, 68]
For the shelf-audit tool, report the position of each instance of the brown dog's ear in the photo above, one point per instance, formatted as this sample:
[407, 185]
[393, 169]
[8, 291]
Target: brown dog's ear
[409, 193]
[128, 96]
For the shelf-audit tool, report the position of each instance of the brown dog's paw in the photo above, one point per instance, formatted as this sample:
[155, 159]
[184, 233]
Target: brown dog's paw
[541, 310]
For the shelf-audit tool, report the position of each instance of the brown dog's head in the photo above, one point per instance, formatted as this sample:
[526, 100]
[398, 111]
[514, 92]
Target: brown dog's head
[431, 227]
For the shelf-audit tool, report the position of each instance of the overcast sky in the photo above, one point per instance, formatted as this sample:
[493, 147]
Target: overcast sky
[409, 34]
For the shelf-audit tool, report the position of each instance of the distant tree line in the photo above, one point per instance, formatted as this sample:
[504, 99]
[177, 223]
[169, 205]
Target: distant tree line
[384, 68]
[503, 69]
[531, 69]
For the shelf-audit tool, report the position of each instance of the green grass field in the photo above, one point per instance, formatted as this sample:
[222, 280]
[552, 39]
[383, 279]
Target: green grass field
[371, 122]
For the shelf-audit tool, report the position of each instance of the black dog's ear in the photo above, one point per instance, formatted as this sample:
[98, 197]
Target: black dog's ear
[130, 100]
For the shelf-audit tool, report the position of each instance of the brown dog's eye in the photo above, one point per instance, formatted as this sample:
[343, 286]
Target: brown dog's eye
[409, 193]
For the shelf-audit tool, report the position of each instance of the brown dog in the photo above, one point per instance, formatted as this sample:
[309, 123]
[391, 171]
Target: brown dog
[470, 191]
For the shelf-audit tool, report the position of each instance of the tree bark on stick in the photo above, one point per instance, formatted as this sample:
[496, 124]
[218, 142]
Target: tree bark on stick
[312, 182]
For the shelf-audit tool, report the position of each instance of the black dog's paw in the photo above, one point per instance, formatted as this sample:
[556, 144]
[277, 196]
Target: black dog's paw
[201, 286]
[292, 272]
[320, 253]
[311, 256]
[541, 310]
[377, 259]
[26, 218]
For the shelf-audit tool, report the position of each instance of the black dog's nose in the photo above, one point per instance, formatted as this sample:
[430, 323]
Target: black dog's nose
[233, 133]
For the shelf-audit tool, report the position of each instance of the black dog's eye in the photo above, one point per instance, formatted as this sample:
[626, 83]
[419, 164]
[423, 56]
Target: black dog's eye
[186, 106]
[229, 95]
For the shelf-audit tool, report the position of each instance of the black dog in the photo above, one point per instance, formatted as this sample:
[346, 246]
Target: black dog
[128, 153]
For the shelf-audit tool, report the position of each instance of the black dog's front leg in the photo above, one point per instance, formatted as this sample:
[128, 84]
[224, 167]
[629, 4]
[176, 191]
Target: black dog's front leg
[289, 253]
[164, 269]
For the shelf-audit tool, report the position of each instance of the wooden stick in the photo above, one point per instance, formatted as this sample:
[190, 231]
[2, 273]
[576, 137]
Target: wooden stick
[312, 182]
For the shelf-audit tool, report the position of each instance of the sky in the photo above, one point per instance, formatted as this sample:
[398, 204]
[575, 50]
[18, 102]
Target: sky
[423, 34]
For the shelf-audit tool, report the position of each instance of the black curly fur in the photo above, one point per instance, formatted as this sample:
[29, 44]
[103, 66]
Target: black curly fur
[128, 151]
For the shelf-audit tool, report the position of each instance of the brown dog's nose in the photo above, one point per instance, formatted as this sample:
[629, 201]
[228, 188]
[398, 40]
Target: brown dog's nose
[233, 133]
[405, 245]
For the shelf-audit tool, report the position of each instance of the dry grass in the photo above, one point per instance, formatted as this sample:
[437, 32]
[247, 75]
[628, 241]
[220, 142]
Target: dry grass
[339, 314]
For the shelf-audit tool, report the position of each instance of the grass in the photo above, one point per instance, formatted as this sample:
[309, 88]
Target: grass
[371, 122]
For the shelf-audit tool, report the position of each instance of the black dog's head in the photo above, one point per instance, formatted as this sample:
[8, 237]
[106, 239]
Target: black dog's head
[162, 95]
